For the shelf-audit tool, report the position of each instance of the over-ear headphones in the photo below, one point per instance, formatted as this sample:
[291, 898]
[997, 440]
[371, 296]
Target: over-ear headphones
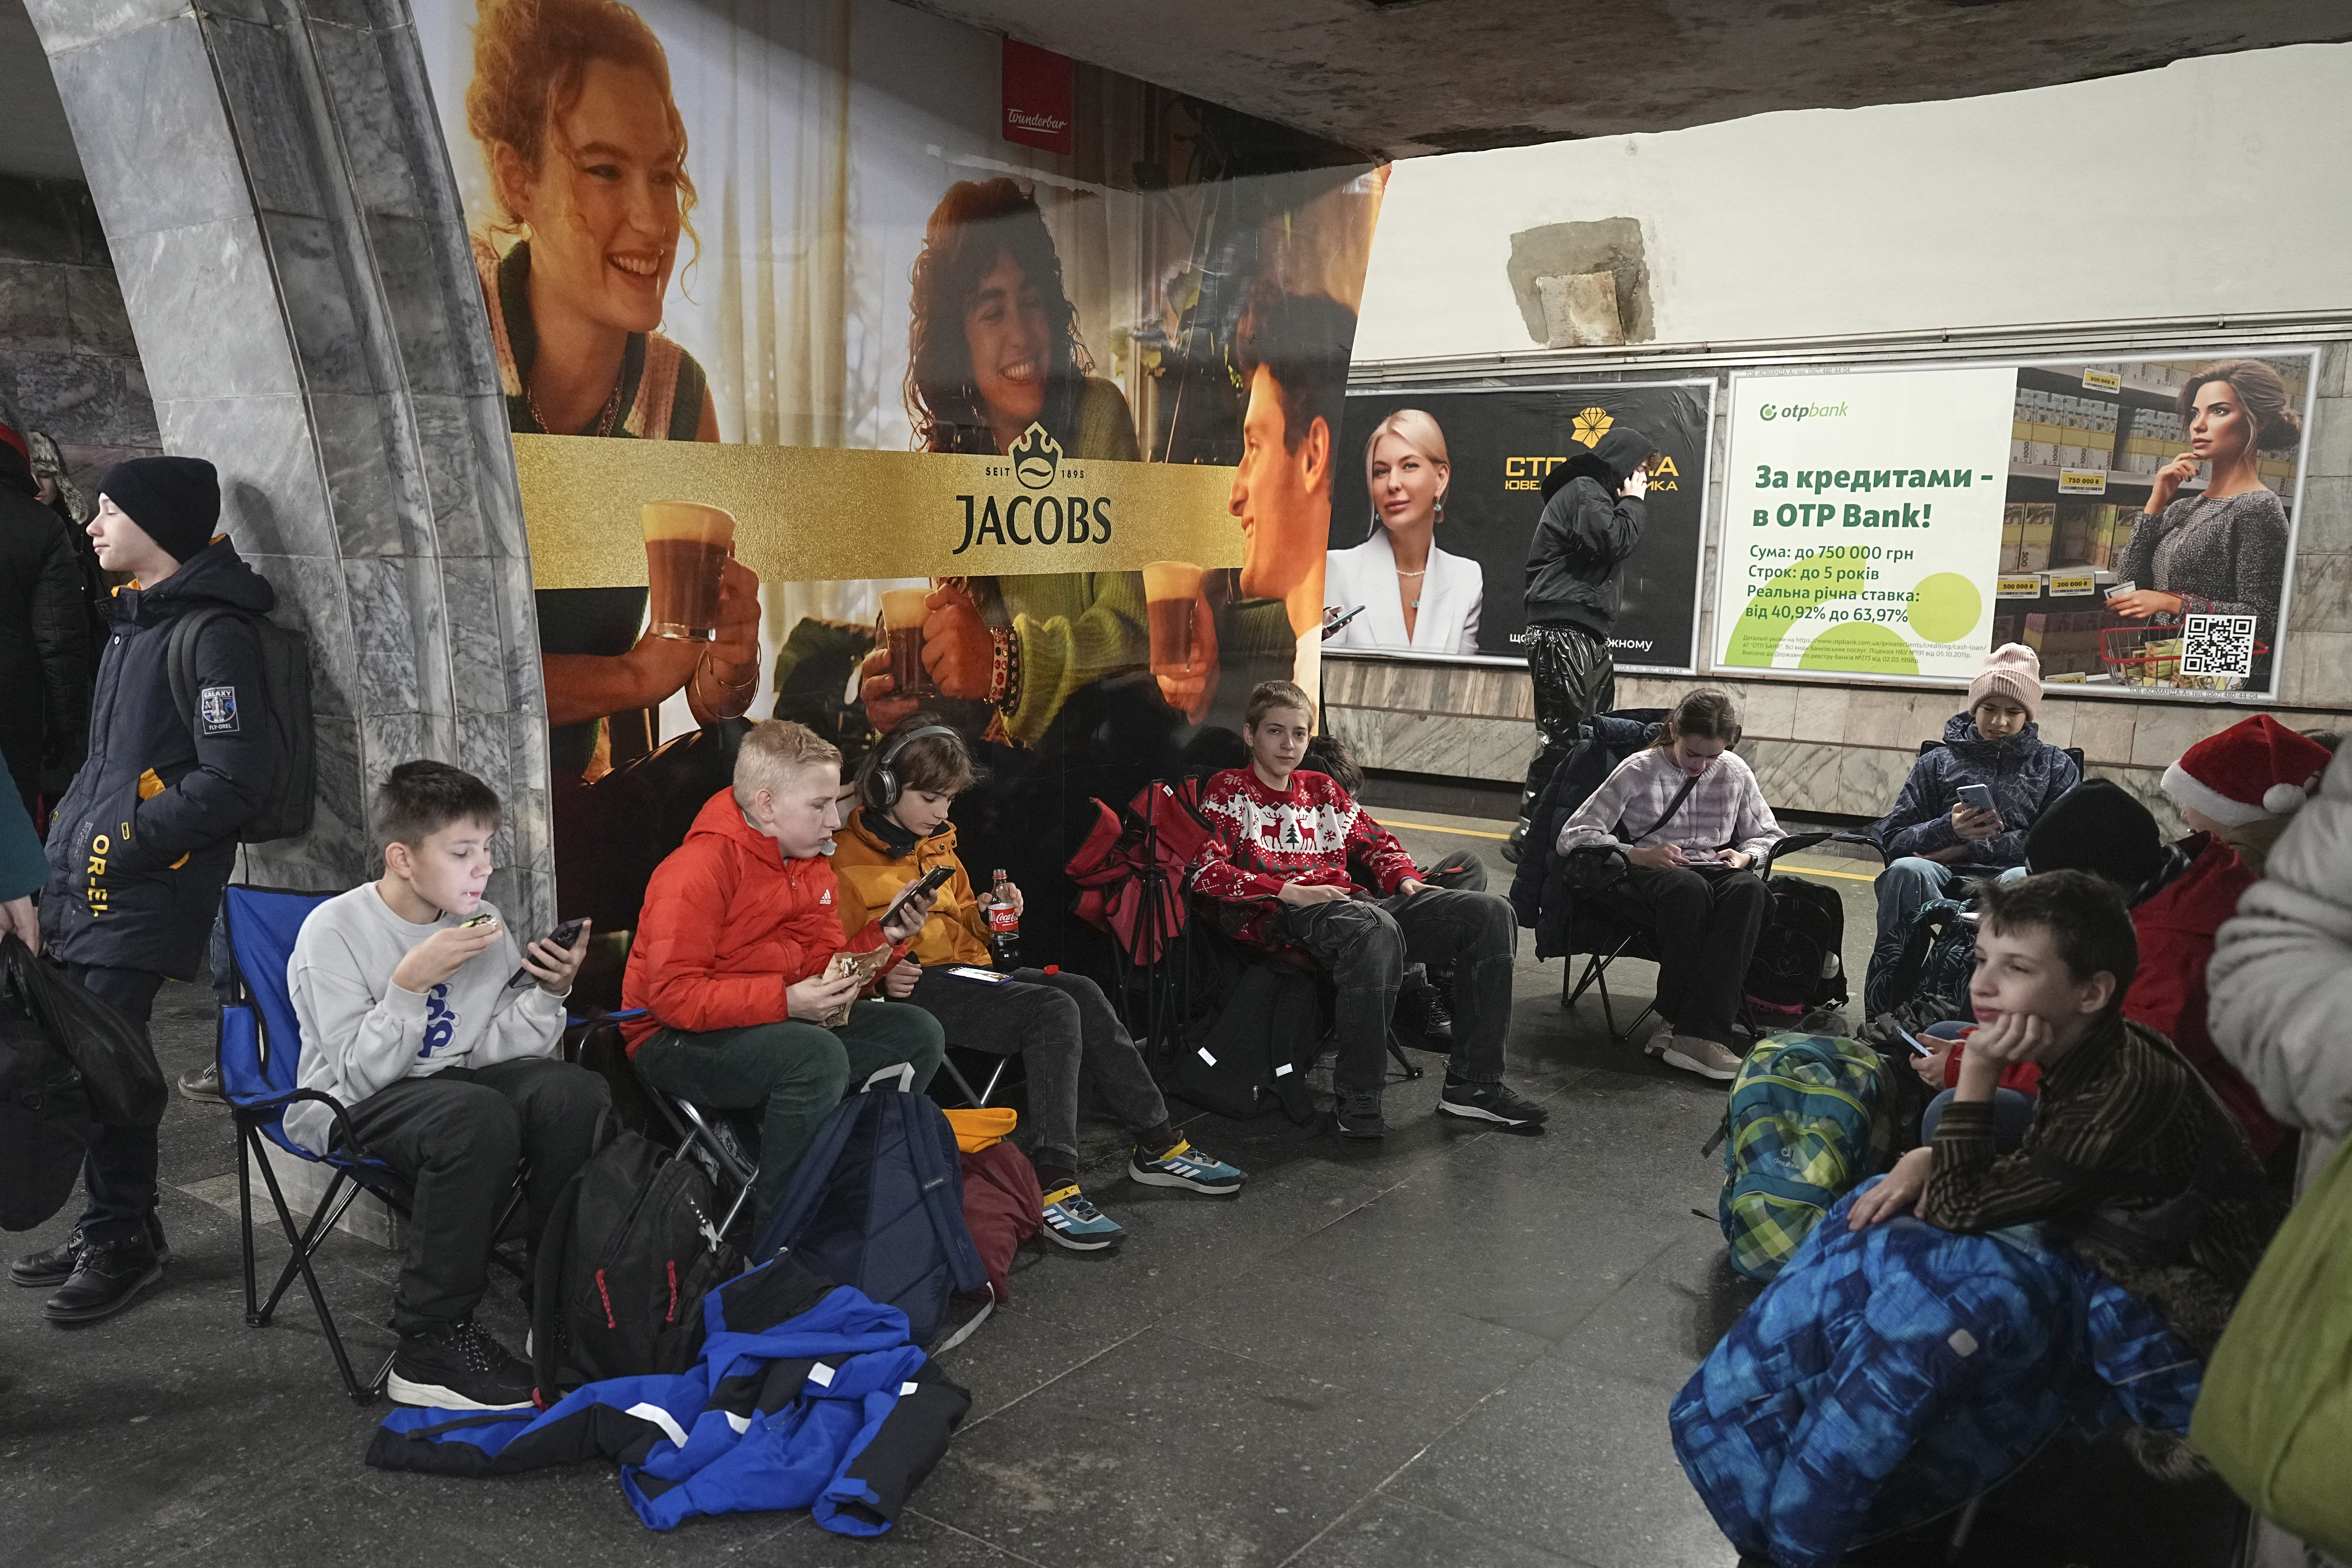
[881, 789]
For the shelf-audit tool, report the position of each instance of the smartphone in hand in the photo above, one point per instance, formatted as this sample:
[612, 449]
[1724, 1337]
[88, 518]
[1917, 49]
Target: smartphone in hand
[932, 881]
[562, 936]
[1977, 798]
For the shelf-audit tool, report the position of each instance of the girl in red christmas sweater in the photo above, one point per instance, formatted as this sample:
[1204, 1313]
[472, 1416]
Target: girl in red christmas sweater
[1285, 839]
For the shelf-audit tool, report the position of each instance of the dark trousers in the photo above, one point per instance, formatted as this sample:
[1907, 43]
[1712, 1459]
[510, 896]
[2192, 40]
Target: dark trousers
[1706, 923]
[1364, 946]
[118, 1172]
[1574, 678]
[1061, 1025]
[459, 1137]
[793, 1072]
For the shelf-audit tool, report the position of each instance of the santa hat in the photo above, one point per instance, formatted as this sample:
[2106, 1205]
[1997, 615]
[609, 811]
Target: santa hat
[2250, 771]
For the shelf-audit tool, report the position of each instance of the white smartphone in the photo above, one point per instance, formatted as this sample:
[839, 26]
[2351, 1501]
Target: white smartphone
[1912, 1040]
[967, 971]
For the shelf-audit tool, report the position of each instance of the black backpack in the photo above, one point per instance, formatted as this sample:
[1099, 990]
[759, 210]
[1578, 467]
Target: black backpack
[625, 1259]
[1798, 962]
[285, 810]
[1254, 1053]
[44, 1124]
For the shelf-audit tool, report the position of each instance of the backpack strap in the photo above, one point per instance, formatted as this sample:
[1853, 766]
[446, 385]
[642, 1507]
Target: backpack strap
[939, 1166]
[811, 1178]
[180, 657]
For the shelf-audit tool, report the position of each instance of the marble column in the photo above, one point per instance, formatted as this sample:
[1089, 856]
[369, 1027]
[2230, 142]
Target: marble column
[293, 259]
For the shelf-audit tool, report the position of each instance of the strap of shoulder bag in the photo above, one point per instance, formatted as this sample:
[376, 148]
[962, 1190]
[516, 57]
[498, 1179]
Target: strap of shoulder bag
[1673, 806]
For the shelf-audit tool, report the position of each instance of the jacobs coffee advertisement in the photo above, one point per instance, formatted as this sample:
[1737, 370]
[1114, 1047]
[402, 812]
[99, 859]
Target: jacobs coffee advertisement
[835, 399]
[1437, 499]
[2131, 520]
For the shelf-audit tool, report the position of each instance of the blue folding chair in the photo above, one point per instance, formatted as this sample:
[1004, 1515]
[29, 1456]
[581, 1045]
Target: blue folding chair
[261, 1063]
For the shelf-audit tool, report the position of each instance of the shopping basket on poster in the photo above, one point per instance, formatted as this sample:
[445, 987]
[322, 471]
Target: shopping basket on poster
[2206, 652]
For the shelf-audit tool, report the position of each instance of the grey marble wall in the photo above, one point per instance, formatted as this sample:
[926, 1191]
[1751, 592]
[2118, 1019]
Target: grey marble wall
[294, 269]
[68, 365]
[1836, 749]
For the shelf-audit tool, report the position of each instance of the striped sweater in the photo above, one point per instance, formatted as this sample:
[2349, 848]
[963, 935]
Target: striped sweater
[2122, 1107]
[1726, 810]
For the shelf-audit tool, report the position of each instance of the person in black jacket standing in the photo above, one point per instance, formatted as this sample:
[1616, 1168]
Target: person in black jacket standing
[44, 650]
[144, 839]
[1591, 521]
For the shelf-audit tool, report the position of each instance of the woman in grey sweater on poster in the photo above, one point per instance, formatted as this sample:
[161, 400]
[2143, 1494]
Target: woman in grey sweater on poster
[2223, 552]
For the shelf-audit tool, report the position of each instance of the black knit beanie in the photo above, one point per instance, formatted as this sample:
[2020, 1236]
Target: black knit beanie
[175, 502]
[2097, 826]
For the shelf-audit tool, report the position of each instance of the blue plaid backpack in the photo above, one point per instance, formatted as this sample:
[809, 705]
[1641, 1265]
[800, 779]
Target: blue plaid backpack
[1809, 1120]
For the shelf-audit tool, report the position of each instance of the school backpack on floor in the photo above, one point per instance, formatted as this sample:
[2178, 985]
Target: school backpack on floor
[625, 1259]
[878, 1203]
[2275, 1416]
[1922, 976]
[1254, 1053]
[1808, 1121]
[1798, 963]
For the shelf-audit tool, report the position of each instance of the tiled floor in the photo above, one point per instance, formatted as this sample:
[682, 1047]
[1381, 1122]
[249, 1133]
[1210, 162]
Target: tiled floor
[1454, 1348]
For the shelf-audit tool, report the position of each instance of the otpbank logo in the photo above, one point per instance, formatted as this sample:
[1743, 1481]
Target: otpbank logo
[1772, 411]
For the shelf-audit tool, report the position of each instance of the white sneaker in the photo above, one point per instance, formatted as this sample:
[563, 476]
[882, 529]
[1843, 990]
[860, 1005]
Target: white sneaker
[1660, 1038]
[1702, 1056]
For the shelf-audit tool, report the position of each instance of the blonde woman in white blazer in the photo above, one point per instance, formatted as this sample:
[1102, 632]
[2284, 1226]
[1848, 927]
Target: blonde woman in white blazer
[1415, 595]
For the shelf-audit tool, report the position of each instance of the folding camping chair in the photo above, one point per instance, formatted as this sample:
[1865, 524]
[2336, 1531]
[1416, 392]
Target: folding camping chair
[260, 1059]
[1604, 935]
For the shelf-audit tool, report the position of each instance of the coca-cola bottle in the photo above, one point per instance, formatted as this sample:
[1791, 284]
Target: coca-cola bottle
[1004, 923]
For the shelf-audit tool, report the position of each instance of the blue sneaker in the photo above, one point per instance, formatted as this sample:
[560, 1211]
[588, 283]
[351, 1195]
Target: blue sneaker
[1194, 1170]
[1072, 1219]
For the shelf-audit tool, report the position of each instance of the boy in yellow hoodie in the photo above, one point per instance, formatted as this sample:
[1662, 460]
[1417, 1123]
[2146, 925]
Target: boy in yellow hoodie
[1059, 1023]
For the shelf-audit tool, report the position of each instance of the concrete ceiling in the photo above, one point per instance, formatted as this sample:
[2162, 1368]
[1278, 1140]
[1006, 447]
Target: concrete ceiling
[34, 141]
[1402, 77]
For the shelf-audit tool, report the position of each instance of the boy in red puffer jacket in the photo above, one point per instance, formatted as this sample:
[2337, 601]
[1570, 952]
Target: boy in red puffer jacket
[738, 925]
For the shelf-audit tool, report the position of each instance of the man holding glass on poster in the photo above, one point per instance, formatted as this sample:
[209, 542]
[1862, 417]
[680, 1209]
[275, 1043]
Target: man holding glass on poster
[1294, 351]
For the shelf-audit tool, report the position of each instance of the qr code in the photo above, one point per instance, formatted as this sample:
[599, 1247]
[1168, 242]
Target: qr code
[2217, 645]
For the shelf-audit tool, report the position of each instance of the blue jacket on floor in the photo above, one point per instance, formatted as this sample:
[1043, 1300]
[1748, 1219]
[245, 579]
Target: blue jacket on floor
[1885, 1376]
[830, 1409]
[2026, 774]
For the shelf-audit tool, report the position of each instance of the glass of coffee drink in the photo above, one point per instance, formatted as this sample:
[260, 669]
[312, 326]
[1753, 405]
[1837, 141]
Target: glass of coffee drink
[1171, 595]
[686, 547]
[903, 613]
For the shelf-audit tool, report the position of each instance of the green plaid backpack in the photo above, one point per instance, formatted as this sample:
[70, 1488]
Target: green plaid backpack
[1809, 1118]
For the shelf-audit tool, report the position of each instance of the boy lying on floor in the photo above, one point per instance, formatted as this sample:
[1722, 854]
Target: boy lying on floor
[2129, 1156]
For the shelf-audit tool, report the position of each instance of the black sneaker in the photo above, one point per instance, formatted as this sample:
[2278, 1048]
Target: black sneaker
[464, 1369]
[1358, 1116]
[104, 1279]
[1489, 1102]
[1421, 1019]
[204, 1083]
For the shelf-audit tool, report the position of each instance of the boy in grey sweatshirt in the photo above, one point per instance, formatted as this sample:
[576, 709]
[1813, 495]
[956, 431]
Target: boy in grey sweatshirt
[448, 1069]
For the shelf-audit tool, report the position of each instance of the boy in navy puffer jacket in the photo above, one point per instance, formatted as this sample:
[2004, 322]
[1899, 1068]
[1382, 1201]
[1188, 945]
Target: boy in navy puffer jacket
[1930, 836]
